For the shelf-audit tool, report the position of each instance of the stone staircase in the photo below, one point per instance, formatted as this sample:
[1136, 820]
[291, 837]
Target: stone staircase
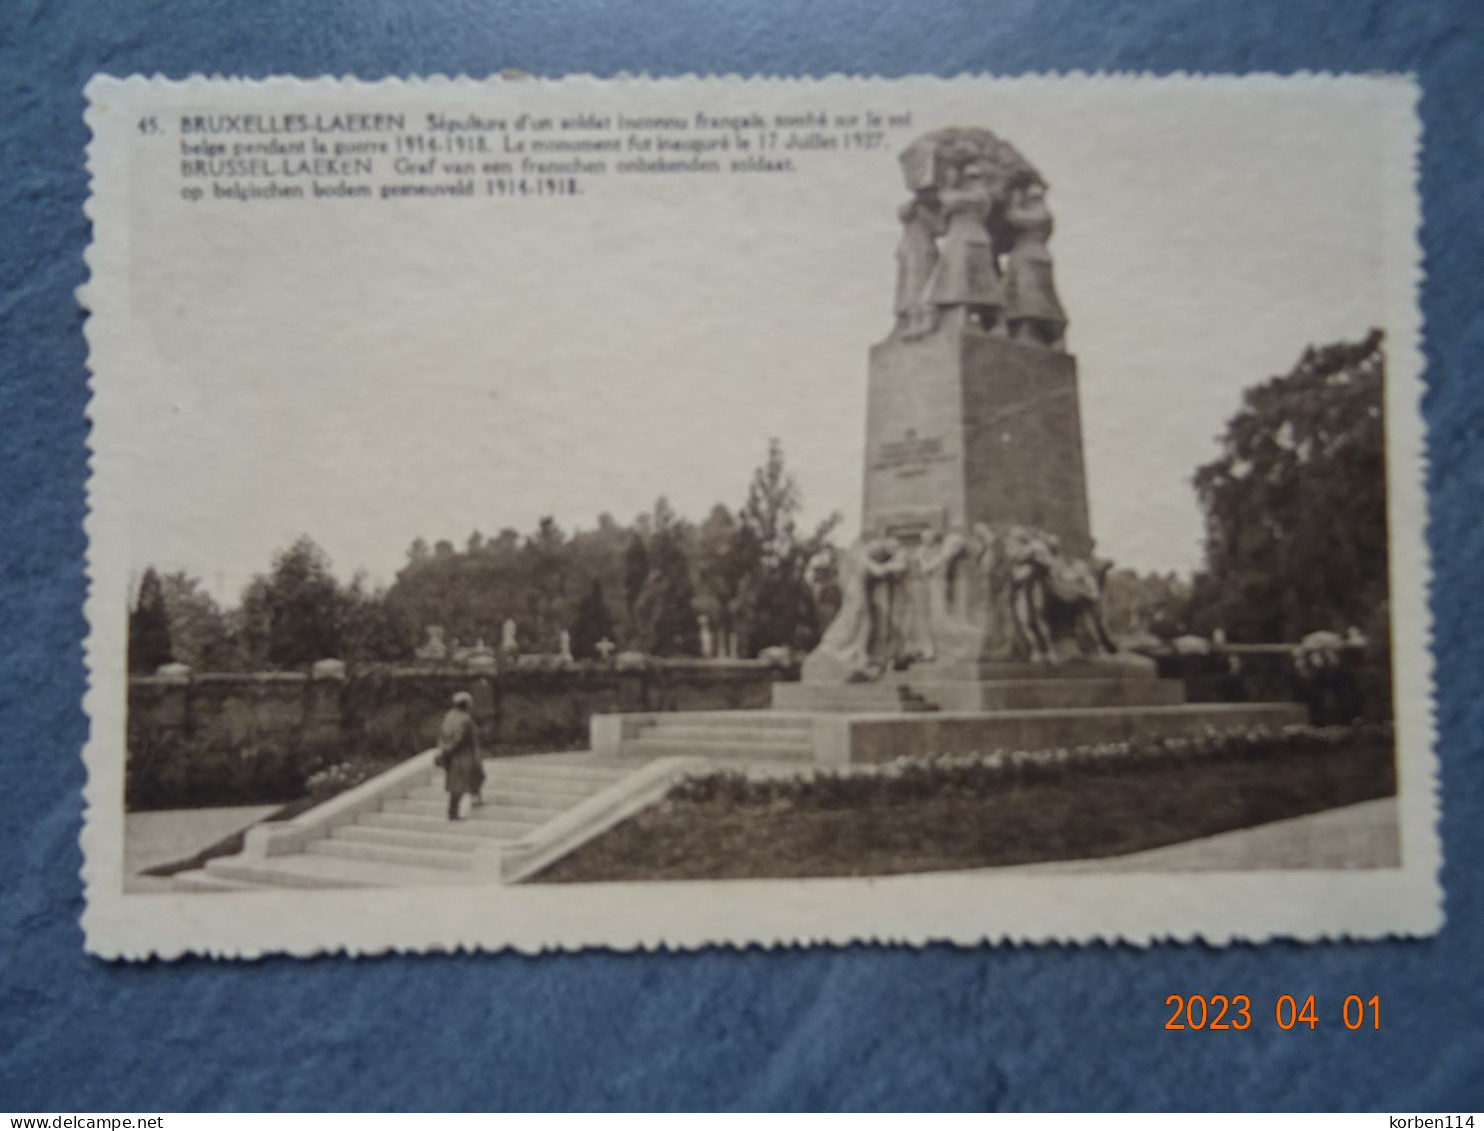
[407, 839]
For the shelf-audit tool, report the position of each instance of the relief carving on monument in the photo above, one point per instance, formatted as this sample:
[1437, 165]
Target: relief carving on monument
[974, 234]
[987, 594]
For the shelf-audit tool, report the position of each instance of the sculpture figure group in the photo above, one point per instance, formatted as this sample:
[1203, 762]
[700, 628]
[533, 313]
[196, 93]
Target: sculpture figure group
[973, 246]
[990, 592]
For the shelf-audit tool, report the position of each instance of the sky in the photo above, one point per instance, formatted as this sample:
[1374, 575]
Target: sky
[370, 373]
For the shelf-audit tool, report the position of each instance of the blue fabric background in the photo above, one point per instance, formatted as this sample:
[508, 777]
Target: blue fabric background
[864, 1027]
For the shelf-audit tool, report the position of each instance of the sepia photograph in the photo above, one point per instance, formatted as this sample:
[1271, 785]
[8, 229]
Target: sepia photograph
[801, 511]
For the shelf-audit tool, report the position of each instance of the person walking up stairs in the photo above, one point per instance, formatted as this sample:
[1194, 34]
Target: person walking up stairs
[458, 754]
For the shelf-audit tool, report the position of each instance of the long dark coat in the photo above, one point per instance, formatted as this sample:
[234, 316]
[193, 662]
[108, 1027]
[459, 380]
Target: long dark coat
[458, 752]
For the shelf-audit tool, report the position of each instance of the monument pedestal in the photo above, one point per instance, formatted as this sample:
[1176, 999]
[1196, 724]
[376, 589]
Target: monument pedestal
[966, 427]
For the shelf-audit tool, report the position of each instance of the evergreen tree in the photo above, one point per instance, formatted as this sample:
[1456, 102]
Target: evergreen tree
[776, 603]
[1296, 504]
[149, 627]
[664, 611]
[545, 568]
[297, 612]
[371, 628]
[199, 634]
[636, 571]
[593, 623]
[721, 574]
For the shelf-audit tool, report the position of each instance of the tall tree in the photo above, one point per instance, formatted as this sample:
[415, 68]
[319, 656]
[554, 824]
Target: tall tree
[721, 574]
[598, 555]
[776, 603]
[664, 611]
[149, 627]
[370, 628]
[593, 623]
[635, 570]
[297, 608]
[199, 634]
[546, 568]
[1296, 504]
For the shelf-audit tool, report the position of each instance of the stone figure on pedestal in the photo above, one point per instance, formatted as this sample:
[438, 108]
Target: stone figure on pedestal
[974, 241]
[435, 648]
[917, 255]
[864, 640]
[966, 276]
[1032, 311]
[944, 565]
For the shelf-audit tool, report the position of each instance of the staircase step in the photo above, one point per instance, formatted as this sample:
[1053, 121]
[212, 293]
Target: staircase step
[734, 734]
[654, 747]
[391, 854]
[411, 838]
[303, 871]
[479, 829]
[761, 718]
[199, 879]
[503, 768]
[590, 782]
[559, 795]
[497, 808]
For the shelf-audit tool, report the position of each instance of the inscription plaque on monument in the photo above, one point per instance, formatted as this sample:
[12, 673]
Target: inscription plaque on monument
[980, 426]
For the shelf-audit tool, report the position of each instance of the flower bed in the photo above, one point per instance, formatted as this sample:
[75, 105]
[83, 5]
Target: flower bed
[1002, 808]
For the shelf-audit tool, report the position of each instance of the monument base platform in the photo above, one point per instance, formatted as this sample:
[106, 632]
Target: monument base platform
[917, 696]
[841, 738]
[933, 710]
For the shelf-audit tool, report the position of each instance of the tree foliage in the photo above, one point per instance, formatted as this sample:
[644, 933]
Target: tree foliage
[665, 619]
[149, 627]
[200, 634]
[635, 570]
[775, 605]
[1295, 506]
[294, 615]
[592, 624]
[1137, 606]
[744, 569]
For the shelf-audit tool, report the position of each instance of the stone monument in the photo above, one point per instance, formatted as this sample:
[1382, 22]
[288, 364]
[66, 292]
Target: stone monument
[970, 615]
[975, 541]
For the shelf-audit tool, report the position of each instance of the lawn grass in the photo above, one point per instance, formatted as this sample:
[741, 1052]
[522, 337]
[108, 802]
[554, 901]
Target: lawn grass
[1084, 811]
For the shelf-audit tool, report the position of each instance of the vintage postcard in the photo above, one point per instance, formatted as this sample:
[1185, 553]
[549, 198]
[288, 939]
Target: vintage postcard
[547, 514]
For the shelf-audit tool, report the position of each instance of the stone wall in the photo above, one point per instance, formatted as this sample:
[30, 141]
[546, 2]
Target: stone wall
[390, 711]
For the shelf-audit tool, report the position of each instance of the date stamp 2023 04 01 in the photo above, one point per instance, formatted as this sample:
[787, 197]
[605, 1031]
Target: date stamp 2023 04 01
[633, 513]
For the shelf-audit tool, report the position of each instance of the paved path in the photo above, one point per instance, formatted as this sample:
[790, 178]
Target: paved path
[1354, 836]
[167, 835]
